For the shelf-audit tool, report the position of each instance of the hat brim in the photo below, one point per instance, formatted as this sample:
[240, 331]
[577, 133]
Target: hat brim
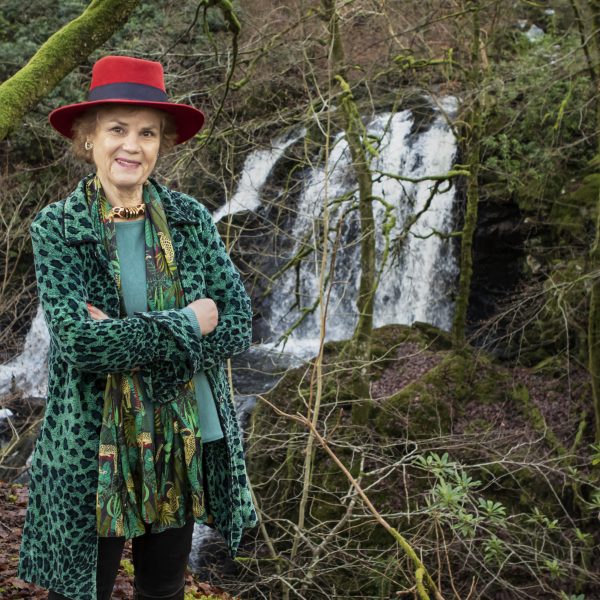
[188, 120]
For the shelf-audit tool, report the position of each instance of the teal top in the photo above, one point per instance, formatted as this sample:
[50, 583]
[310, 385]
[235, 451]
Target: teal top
[130, 246]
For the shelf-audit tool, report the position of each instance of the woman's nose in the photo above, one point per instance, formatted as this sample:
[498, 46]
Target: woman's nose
[131, 143]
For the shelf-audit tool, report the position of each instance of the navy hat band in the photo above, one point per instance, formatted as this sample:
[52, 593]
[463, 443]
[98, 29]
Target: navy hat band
[127, 91]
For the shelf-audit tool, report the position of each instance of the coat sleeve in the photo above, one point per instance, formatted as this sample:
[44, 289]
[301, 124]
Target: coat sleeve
[100, 346]
[224, 285]
[233, 333]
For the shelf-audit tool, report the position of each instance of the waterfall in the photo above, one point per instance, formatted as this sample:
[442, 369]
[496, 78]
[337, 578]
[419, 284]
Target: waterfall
[419, 275]
[28, 372]
[257, 167]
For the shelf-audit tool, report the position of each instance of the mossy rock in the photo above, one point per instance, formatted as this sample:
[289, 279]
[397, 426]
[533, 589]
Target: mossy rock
[479, 426]
[414, 411]
[388, 337]
[426, 407]
[472, 375]
[547, 335]
[573, 212]
[434, 337]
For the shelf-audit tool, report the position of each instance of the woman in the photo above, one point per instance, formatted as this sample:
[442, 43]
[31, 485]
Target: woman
[143, 304]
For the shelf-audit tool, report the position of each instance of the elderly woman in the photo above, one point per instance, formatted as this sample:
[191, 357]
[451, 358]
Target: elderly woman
[140, 438]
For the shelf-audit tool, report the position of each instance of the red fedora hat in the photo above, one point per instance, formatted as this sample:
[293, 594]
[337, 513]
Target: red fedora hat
[126, 80]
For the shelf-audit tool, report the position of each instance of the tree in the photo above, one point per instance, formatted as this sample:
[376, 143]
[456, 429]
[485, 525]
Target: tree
[594, 256]
[359, 346]
[473, 142]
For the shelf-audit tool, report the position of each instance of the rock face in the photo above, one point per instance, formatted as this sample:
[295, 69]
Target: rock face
[498, 255]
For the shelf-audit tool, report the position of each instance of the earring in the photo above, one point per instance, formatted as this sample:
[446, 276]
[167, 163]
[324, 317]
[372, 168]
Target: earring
[88, 145]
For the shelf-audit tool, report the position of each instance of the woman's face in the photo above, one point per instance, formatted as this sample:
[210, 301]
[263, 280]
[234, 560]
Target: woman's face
[126, 144]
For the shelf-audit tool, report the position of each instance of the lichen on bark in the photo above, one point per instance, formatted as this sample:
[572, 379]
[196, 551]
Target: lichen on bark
[594, 314]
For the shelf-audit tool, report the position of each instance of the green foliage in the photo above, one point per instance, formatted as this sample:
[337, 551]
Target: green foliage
[536, 110]
[540, 124]
[127, 566]
[25, 26]
[596, 454]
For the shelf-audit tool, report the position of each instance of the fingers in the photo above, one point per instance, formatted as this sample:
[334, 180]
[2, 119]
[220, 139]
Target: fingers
[96, 313]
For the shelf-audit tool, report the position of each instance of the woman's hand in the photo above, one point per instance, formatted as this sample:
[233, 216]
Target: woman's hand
[96, 313]
[206, 312]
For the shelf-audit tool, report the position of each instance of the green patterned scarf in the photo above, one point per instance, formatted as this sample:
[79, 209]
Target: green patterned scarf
[140, 479]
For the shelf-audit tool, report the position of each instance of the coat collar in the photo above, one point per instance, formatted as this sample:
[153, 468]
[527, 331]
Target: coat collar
[78, 225]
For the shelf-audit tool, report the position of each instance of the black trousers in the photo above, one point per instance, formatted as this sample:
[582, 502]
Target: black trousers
[159, 562]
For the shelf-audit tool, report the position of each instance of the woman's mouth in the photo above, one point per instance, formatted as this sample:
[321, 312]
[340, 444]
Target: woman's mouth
[127, 164]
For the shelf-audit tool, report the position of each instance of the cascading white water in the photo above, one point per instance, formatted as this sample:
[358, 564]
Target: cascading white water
[28, 372]
[418, 279]
[257, 167]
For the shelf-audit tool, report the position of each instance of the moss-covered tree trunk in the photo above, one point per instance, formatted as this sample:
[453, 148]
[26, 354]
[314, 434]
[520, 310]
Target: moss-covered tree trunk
[594, 314]
[355, 136]
[359, 347]
[354, 129]
[58, 56]
[472, 142]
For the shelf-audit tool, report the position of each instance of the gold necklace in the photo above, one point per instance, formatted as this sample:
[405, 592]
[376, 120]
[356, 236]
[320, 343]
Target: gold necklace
[127, 212]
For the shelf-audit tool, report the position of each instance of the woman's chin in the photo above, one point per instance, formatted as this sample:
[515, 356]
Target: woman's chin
[127, 181]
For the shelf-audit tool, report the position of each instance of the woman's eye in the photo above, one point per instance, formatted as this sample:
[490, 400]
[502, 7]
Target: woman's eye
[116, 129]
[149, 133]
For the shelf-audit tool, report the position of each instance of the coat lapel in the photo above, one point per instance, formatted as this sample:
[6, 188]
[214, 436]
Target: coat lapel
[78, 227]
[78, 230]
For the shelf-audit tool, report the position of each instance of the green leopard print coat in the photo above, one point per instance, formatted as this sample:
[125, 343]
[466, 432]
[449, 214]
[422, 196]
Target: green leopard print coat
[59, 544]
